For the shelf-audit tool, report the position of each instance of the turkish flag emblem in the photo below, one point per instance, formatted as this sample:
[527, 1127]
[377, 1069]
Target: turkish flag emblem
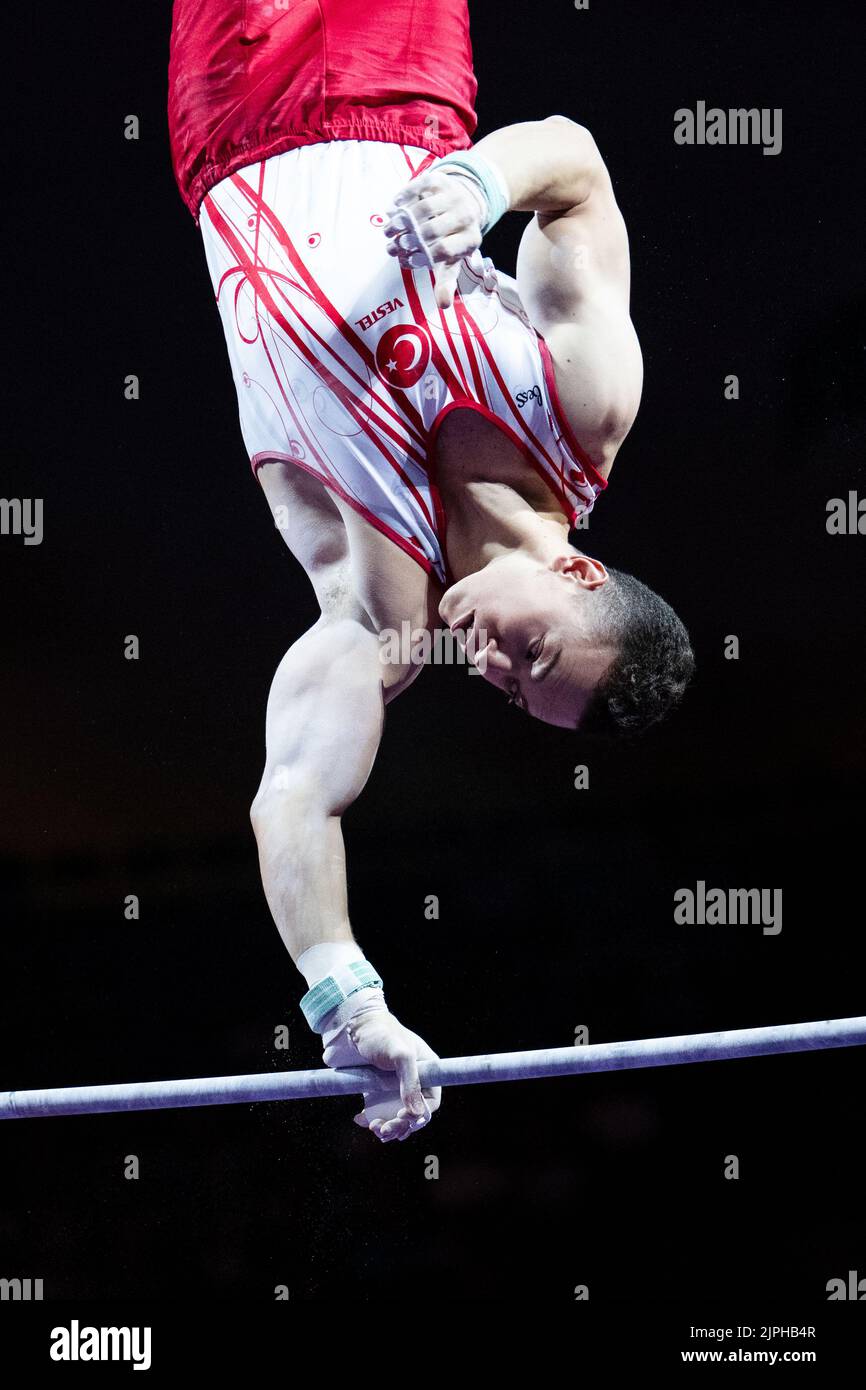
[402, 354]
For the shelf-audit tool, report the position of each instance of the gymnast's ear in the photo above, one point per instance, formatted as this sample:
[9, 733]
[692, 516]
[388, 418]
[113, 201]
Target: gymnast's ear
[589, 573]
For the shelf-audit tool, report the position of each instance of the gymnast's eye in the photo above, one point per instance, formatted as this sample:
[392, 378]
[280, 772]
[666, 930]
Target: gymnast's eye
[535, 649]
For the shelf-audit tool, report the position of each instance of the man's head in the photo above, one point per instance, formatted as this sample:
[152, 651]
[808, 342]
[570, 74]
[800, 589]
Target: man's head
[572, 642]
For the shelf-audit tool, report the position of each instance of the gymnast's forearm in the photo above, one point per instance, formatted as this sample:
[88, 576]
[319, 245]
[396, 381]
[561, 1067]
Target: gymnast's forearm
[303, 867]
[549, 166]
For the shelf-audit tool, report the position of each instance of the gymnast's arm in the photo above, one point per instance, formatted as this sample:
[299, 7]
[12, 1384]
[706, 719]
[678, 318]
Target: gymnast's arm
[324, 723]
[573, 268]
[550, 166]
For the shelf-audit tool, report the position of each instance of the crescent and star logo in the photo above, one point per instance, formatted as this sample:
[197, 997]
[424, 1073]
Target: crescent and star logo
[402, 354]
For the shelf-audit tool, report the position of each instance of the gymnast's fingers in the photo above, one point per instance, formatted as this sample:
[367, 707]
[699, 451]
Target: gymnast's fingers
[446, 284]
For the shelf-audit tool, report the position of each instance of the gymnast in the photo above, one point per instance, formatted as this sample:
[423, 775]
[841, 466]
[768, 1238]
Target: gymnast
[427, 430]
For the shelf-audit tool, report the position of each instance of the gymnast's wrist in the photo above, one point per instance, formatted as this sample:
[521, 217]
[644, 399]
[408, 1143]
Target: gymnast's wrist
[341, 980]
[486, 180]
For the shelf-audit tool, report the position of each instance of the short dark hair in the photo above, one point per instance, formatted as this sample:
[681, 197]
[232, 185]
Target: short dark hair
[654, 665]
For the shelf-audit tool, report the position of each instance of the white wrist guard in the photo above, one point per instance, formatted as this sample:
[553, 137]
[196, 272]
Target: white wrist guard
[487, 179]
[329, 993]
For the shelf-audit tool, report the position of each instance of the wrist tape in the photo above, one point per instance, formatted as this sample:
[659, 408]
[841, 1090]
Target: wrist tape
[486, 175]
[332, 991]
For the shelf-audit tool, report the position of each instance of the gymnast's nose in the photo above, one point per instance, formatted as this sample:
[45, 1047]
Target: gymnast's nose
[490, 658]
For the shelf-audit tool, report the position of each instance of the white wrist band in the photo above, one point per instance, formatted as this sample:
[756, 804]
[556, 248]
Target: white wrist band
[319, 960]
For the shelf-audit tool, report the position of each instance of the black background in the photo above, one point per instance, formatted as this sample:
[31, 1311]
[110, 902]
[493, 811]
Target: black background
[556, 905]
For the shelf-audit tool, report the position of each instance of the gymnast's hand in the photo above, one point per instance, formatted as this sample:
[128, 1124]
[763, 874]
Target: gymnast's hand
[372, 1036]
[436, 221]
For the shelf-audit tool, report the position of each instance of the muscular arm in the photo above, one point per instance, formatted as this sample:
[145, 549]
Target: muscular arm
[573, 272]
[326, 704]
[324, 723]
[550, 166]
[572, 268]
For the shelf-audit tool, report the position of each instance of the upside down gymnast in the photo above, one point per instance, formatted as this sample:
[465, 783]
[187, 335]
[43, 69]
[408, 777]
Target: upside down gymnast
[426, 429]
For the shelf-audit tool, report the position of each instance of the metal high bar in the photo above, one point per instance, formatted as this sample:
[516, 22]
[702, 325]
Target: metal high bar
[448, 1071]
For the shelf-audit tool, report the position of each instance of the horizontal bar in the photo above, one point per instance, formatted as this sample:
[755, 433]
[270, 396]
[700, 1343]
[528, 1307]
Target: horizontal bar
[448, 1071]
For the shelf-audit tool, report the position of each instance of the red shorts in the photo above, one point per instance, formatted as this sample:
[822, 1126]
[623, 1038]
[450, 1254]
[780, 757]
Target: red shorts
[252, 78]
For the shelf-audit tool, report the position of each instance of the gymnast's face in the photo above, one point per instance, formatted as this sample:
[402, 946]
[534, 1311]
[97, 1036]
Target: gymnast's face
[527, 626]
